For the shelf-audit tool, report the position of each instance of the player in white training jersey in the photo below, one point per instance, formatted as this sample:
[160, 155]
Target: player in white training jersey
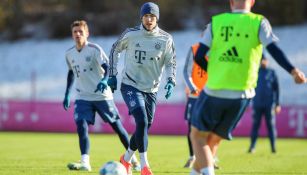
[149, 50]
[88, 66]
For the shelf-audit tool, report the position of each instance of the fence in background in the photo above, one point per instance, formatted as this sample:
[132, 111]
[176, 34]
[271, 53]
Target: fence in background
[169, 120]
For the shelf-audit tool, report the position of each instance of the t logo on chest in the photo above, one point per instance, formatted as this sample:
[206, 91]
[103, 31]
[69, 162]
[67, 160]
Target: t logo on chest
[140, 55]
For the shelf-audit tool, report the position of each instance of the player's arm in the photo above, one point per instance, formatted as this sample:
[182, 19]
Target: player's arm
[275, 88]
[170, 67]
[120, 45]
[187, 72]
[170, 62]
[204, 47]
[69, 84]
[70, 78]
[70, 81]
[200, 55]
[102, 60]
[268, 39]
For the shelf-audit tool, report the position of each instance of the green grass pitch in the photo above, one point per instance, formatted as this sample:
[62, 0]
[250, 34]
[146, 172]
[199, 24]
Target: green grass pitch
[48, 153]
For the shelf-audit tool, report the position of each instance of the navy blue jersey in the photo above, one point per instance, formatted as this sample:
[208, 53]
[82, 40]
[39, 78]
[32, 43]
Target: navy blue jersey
[267, 90]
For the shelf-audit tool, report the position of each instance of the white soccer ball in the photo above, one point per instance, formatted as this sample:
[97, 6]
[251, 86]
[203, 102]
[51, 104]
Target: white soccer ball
[113, 168]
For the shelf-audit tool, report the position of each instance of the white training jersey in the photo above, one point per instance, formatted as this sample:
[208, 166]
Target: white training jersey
[86, 66]
[148, 53]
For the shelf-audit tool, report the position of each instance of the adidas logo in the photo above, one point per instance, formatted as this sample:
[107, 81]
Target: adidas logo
[231, 55]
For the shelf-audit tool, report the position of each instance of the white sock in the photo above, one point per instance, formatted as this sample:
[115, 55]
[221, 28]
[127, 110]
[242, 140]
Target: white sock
[207, 171]
[194, 172]
[85, 158]
[128, 155]
[134, 159]
[215, 159]
[144, 160]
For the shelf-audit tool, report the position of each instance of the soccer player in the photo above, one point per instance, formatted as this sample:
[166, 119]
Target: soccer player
[195, 78]
[235, 41]
[266, 102]
[89, 67]
[149, 50]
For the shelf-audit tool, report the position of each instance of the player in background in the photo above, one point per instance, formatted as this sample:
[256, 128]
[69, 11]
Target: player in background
[88, 66]
[265, 102]
[148, 51]
[195, 78]
[235, 41]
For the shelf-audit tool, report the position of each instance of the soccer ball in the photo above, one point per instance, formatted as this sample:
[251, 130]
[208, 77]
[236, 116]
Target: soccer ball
[113, 168]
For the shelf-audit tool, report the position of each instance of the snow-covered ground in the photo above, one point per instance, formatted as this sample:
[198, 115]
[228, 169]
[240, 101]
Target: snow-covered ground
[19, 61]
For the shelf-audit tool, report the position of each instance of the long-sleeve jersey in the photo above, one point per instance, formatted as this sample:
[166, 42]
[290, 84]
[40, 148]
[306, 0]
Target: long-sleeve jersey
[195, 77]
[86, 66]
[147, 54]
[267, 90]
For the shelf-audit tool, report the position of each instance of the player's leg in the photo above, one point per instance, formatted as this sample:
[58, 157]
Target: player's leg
[257, 113]
[191, 153]
[109, 113]
[83, 117]
[201, 127]
[84, 141]
[135, 163]
[123, 136]
[150, 100]
[203, 154]
[188, 113]
[141, 133]
[270, 121]
[221, 118]
[191, 160]
[121, 132]
[214, 142]
[134, 100]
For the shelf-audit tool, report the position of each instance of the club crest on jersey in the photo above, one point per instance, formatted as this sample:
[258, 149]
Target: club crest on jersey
[88, 59]
[132, 103]
[158, 46]
[129, 93]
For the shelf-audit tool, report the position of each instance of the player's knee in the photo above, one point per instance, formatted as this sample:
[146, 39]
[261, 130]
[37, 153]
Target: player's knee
[214, 139]
[140, 117]
[142, 123]
[81, 125]
[193, 134]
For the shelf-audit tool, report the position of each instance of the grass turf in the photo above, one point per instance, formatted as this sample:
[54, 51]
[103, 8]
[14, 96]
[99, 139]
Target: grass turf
[48, 153]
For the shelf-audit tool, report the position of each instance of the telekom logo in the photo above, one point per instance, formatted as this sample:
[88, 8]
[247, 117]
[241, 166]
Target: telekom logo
[297, 121]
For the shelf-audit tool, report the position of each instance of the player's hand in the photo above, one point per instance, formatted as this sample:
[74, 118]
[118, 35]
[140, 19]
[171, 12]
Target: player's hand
[298, 76]
[194, 91]
[101, 86]
[277, 109]
[112, 82]
[169, 89]
[66, 102]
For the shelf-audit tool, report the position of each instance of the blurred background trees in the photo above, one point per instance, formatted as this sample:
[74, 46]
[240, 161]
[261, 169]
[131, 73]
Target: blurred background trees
[52, 18]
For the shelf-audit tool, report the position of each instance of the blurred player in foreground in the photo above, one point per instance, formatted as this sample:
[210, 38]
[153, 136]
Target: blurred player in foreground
[235, 41]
